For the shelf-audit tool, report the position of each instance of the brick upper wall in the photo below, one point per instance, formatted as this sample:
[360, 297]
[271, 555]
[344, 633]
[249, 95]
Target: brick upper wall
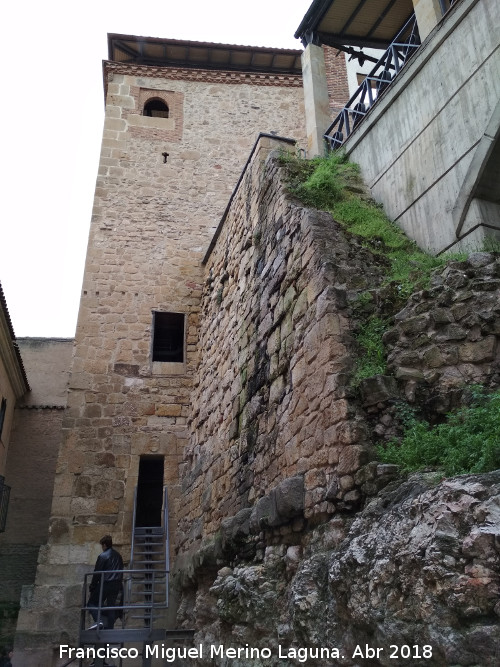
[336, 79]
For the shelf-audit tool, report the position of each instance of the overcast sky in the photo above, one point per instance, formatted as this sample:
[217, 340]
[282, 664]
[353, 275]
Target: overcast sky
[51, 124]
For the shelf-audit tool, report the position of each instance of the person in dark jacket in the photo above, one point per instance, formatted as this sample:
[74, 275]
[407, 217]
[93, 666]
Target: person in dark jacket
[5, 660]
[109, 566]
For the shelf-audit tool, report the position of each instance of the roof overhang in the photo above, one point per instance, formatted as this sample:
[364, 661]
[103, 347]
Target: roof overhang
[9, 352]
[365, 23]
[202, 55]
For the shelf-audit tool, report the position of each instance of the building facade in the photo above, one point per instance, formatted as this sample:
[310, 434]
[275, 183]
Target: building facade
[181, 119]
[30, 468]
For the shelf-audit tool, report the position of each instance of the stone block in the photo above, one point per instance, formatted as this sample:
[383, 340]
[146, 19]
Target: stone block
[289, 496]
[314, 478]
[335, 412]
[277, 390]
[169, 410]
[289, 298]
[450, 332]
[299, 372]
[441, 316]
[300, 306]
[234, 528]
[378, 389]
[351, 459]
[402, 373]
[432, 357]
[263, 514]
[479, 352]
[415, 325]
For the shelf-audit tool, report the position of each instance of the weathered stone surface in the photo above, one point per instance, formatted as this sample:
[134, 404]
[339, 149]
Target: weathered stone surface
[461, 340]
[420, 565]
[289, 495]
[378, 389]
[234, 531]
[263, 512]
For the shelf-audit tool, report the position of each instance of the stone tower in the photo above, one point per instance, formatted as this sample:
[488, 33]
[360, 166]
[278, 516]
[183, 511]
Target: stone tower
[181, 118]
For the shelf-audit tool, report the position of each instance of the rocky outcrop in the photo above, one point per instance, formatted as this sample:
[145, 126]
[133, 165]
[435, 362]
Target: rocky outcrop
[415, 574]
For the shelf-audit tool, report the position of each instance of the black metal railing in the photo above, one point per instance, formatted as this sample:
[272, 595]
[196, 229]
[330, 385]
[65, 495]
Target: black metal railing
[446, 5]
[135, 608]
[404, 46]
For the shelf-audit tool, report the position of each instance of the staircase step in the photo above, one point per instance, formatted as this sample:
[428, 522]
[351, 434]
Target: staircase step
[149, 531]
[148, 548]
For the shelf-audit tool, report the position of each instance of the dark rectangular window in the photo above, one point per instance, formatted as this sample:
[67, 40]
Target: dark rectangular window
[3, 410]
[168, 336]
[4, 503]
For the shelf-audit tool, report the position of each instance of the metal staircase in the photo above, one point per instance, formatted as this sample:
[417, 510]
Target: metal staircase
[149, 562]
[142, 612]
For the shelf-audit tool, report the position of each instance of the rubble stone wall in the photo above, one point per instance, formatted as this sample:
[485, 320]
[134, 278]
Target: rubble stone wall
[271, 398]
[447, 337]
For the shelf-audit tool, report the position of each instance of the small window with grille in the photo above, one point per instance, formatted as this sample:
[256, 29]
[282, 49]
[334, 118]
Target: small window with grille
[155, 108]
[168, 337]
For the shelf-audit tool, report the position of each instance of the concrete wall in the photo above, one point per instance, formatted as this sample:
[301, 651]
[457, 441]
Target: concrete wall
[152, 222]
[417, 143]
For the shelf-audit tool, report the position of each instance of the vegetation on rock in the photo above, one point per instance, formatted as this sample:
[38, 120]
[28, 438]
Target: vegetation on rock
[468, 442]
[372, 361]
[334, 184]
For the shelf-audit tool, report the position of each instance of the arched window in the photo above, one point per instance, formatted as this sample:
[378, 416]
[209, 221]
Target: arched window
[156, 108]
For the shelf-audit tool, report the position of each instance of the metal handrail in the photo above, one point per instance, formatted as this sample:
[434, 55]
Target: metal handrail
[133, 526]
[165, 529]
[165, 532]
[155, 578]
[403, 47]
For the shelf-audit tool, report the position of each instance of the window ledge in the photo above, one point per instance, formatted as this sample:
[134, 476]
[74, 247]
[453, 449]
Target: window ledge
[168, 368]
[153, 122]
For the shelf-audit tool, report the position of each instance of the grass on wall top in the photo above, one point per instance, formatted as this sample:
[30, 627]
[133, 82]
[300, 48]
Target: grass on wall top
[469, 440]
[334, 184]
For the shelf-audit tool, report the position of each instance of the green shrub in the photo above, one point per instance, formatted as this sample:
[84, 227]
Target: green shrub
[468, 442]
[372, 359]
[321, 182]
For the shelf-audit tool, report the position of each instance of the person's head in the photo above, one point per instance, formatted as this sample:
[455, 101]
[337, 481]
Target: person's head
[106, 542]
